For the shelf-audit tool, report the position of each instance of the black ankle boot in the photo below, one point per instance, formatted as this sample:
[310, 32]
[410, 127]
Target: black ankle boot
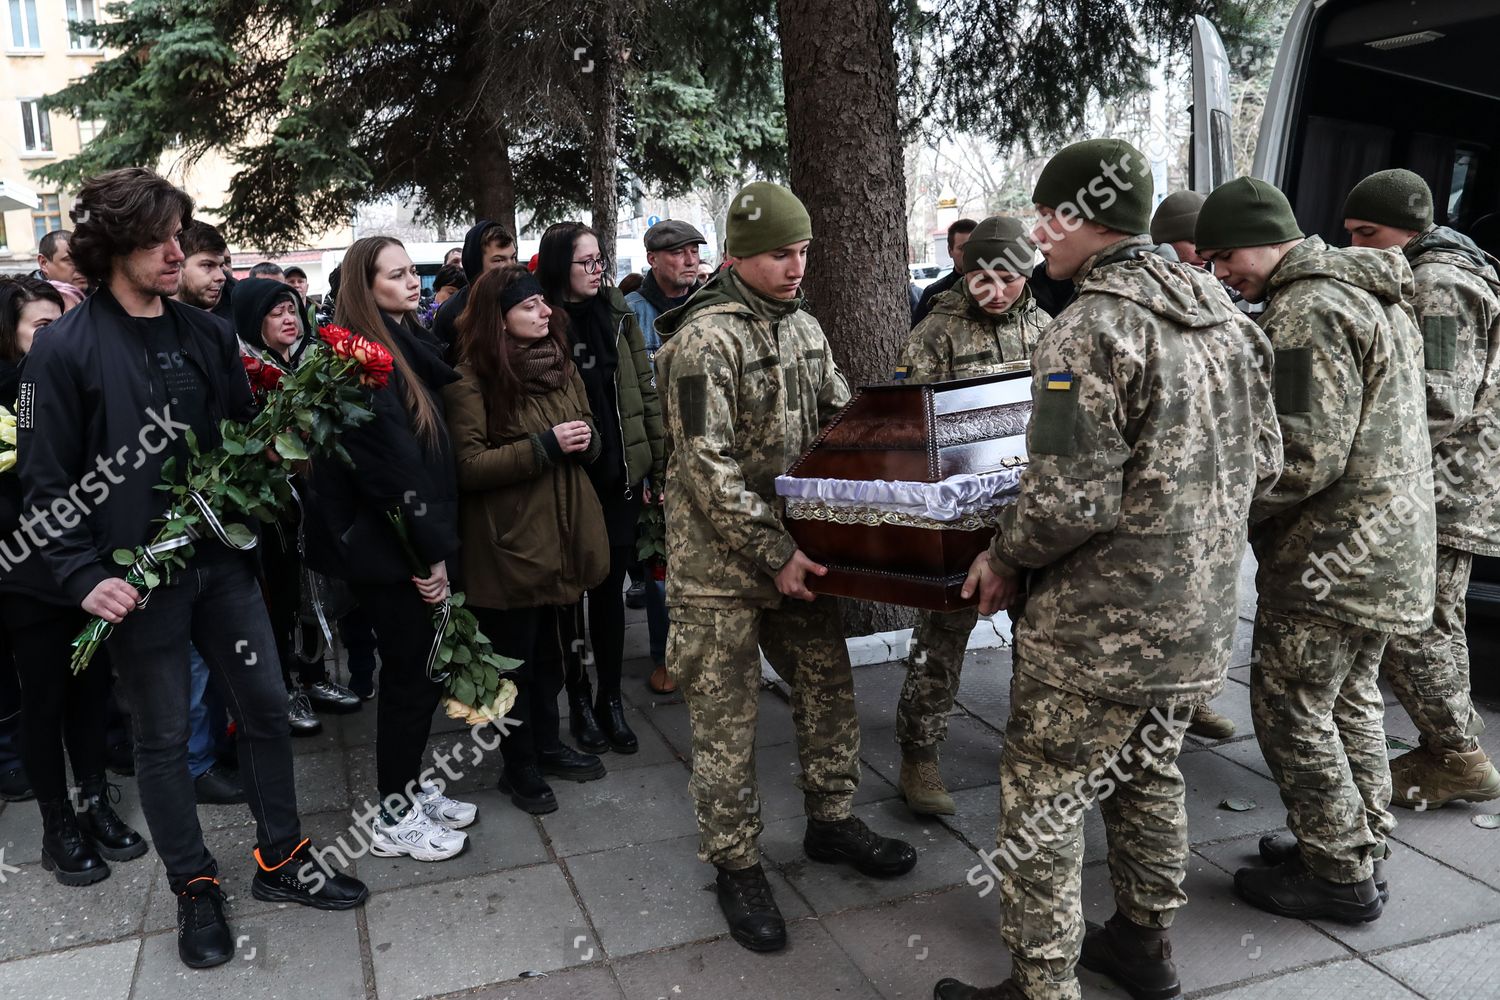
[754, 919]
[1278, 847]
[101, 824]
[527, 789]
[1138, 958]
[611, 716]
[1290, 889]
[850, 842]
[581, 721]
[566, 763]
[203, 938]
[65, 852]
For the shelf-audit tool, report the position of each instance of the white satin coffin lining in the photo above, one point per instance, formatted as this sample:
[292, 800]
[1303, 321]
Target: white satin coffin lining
[949, 500]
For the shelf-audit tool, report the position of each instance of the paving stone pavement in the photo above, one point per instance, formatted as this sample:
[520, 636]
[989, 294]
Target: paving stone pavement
[606, 900]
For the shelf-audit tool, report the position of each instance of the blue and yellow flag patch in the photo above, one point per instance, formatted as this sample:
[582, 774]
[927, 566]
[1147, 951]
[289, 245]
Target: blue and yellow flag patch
[1060, 380]
[902, 372]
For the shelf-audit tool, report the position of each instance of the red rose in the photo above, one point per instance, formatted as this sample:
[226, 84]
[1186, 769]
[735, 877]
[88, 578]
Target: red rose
[374, 360]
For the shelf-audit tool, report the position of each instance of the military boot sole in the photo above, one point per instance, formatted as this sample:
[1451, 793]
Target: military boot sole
[931, 807]
[752, 942]
[1487, 792]
[86, 877]
[1101, 959]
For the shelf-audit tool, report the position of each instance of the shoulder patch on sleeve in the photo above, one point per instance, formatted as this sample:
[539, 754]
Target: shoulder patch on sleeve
[25, 401]
[1293, 380]
[1054, 417]
[1440, 342]
[692, 404]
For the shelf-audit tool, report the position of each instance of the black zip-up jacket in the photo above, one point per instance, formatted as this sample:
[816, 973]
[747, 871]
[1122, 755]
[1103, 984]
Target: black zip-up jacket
[21, 571]
[472, 261]
[85, 431]
[348, 532]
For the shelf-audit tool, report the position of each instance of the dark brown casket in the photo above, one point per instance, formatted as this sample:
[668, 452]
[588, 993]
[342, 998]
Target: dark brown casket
[901, 490]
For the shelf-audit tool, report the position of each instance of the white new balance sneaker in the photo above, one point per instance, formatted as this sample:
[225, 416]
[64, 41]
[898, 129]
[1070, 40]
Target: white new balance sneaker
[451, 813]
[417, 837]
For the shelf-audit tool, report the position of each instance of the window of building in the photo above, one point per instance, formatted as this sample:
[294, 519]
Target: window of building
[36, 128]
[88, 130]
[47, 216]
[4, 240]
[25, 32]
[81, 10]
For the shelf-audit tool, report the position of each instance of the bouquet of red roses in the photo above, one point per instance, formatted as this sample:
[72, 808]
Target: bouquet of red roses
[302, 412]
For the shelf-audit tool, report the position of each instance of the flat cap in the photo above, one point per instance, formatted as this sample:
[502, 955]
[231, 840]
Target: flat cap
[669, 234]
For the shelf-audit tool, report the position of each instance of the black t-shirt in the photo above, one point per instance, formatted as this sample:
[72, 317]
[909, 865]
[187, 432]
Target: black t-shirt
[181, 386]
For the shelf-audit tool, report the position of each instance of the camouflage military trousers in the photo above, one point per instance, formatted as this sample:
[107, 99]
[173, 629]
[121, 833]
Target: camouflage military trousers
[715, 656]
[1320, 721]
[932, 671]
[1064, 751]
[1430, 671]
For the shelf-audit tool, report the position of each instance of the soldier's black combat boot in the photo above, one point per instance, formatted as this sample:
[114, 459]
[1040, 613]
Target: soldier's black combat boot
[1278, 847]
[952, 989]
[581, 721]
[850, 842]
[1138, 958]
[66, 852]
[1291, 890]
[111, 835]
[754, 919]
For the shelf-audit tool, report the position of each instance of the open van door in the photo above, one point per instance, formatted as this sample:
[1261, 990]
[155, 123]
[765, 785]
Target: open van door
[1211, 153]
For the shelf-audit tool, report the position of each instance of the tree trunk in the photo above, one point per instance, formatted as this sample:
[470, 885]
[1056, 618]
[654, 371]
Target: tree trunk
[494, 183]
[607, 53]
[838, 64]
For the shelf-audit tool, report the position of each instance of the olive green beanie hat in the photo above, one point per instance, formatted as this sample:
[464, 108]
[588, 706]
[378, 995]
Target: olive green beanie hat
[1107, 181]
[1396, 197]
[1245, 212]
[1176, 217]
[765, 216]
[1000, 244]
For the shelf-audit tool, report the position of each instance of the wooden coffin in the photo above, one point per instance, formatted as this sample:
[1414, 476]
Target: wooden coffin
[900, 491]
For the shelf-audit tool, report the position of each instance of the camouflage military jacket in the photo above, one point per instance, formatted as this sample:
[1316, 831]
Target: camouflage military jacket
[747, 383]
[958, 339]
[1348, 533]
[1152, 430]
[1457, 303]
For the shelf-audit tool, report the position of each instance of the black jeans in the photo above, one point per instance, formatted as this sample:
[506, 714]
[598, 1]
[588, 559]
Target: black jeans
[606, 604]
[58, 707]
[215, 604]
[536, 637]
[281, 569]
[403, 718]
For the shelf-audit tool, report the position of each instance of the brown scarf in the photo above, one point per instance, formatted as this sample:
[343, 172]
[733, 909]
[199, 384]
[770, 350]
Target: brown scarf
[539, 365]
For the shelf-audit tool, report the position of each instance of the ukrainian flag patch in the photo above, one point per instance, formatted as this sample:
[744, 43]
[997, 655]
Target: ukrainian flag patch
[901, 373]
[1060, 380]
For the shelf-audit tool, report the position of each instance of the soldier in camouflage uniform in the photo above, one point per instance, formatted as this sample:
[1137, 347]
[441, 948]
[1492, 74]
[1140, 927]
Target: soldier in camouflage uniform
[985, 324]
[748, 381]
[1346, 541]
[1458, 310]
[1152, 431]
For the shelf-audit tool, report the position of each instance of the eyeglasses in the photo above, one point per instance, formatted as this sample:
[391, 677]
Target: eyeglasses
[593, 265]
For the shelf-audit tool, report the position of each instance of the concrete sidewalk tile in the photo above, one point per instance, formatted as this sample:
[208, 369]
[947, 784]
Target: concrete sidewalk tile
[1399, 725]
[812, 965]
[942, 860]
[905, 948]
[21, 833]
[431, 940]
[39, 914]
[1210, 780]
[290, 953]
[1217, 939]
[634, 806]
[659, 895]
[978, 820]
[970, 757]
[503, 837]
[984, 685]
[1233, 703]
[574, 984]
[773, 722]
[1449, 835]
[776, 770]
[1351, 978]
[330, 737]
[99, 973]
[654, 749]
[1246, 753]
[877, 692]
[320, 781]
[1457, 967]
[1244, 634]
[233, 848]
[471, 765]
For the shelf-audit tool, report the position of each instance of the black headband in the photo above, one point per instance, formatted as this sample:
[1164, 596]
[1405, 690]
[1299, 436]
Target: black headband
[519, 291]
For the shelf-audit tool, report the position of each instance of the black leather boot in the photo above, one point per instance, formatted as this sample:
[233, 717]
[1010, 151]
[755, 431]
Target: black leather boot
[1278, 847]
[566, 763]
[101, 824]
[1138, 958]
[203, 938]
[952, 989]
[754, 919]
[305, 878]
[581, 721]
[527, 789]
[850, 842]
[1291, 890]
[65, 852]
[610, 713]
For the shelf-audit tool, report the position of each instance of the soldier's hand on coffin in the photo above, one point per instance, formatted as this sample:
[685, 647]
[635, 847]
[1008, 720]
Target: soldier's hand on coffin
[572, 436]
[792, 579]
[996, 586]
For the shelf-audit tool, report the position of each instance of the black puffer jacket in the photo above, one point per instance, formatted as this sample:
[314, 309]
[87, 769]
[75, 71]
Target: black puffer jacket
[443, 328]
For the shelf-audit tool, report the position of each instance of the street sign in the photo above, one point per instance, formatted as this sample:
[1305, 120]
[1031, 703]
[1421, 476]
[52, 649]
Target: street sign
[652, 220]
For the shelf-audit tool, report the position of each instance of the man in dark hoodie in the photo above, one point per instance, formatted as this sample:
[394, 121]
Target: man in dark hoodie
[1346, 542]
[487, 247]
[1458, 309]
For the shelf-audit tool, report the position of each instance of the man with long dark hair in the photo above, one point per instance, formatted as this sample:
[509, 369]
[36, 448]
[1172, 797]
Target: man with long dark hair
[127, 371]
